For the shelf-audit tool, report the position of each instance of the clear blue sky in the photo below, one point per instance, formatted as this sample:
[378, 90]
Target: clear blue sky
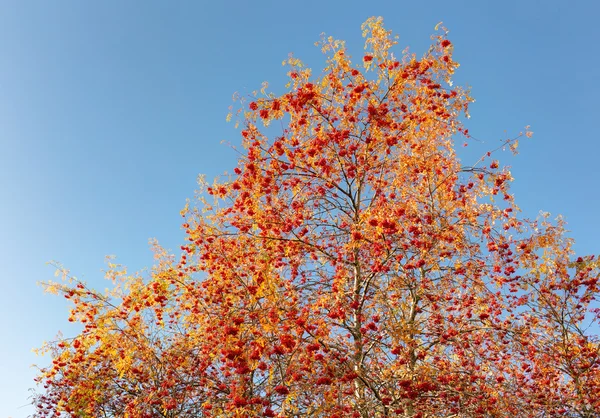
[110, 109]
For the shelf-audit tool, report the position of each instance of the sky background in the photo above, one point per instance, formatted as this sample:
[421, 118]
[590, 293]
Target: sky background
[110, 109]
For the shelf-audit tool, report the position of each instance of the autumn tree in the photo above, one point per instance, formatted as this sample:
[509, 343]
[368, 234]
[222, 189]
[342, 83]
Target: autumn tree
[350, 266]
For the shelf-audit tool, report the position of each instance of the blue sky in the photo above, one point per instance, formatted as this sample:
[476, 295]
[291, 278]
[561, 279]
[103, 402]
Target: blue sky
[110, 109]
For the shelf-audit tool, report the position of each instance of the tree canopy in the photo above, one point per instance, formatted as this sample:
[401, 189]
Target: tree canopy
[350, 266]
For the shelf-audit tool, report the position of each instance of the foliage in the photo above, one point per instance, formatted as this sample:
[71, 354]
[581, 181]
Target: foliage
[349, 267]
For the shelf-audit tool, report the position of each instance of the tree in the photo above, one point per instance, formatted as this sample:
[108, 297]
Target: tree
[351, 266]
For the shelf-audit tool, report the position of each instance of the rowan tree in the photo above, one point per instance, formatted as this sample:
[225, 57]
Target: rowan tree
[350, 266]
